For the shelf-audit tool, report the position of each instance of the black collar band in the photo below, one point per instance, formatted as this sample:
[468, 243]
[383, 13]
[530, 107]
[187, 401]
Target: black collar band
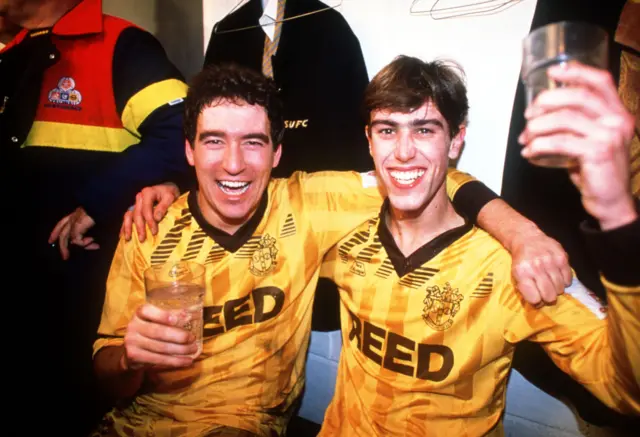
[230, 242]
[423, 254]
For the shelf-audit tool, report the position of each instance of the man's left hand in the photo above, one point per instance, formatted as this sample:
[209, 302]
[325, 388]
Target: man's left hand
[540, 268]
[73, 228]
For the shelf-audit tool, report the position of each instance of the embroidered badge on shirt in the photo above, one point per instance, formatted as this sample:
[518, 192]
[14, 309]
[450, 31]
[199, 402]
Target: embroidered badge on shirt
[441, 306]
[65, 93]
[263, 260]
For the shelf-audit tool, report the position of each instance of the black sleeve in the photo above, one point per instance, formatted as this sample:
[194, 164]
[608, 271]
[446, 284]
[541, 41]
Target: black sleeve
[616, 252]
[139, 62]
[471, 197]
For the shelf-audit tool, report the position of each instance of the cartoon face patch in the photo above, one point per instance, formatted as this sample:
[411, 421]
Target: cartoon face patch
[65, 93]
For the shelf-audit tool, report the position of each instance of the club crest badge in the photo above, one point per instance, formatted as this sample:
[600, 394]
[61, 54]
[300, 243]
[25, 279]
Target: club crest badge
[263, 260]
[441, 306]
[358, 268]
[65, 93]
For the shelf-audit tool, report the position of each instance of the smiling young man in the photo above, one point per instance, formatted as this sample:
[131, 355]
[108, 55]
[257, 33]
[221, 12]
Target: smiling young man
[262, 242]
[430, 313]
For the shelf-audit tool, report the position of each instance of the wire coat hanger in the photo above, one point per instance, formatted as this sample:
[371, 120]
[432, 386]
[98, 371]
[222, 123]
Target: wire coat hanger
[483, 9]
[295, 17]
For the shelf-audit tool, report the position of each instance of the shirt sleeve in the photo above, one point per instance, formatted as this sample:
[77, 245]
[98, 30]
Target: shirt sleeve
[595, 344]
[125, 292]
[337, 202]
[149, 93]
[340, 201]
[468, 194]
[616, 252]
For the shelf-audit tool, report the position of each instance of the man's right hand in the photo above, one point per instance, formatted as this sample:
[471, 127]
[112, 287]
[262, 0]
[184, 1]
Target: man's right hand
[587, 121]
[151, 206]
[154, 340]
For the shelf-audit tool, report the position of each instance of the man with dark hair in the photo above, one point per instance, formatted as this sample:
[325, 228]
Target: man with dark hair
[257, 314]
[430, 313]
[407, 83]
[234, 84]
[262, 241]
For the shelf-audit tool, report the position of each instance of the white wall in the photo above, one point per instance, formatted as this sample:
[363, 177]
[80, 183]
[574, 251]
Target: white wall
[487, 46]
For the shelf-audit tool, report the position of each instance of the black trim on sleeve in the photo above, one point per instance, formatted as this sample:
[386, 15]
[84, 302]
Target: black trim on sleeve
[616, 252]
[471, 198]
[139, 60]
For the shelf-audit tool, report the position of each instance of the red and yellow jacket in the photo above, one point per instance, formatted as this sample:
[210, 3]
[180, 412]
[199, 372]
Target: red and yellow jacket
[90, 113]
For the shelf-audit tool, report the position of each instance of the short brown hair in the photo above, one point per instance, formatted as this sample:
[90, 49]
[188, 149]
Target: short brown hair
[408, 83]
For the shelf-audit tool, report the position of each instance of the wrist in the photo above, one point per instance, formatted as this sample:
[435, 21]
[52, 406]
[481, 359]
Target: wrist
[615, 216]
[524, 233]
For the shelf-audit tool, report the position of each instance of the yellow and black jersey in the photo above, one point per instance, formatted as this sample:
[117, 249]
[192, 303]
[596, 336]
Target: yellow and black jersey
[428, 339]
[257, 315]
[260, 284]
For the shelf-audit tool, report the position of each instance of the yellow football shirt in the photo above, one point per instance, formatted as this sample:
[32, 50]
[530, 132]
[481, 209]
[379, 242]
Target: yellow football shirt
[259, 296]
[260, 284]
[428, 339]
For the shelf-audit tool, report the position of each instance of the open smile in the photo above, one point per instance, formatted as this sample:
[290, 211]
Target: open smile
[234, 188]
[406, 178]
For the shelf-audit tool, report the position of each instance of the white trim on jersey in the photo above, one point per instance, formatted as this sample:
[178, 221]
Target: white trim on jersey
[586, 297]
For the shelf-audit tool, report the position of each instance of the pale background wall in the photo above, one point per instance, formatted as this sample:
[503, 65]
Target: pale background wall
[176, 23]
[487, 46]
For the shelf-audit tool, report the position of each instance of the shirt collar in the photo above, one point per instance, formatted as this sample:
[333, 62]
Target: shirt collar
[405, 265]
[229, 242]
[269, 17]
[85, 18]
[16, 40]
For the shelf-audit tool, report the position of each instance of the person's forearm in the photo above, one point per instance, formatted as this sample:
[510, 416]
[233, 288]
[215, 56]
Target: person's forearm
[118, 381]
[505, 224]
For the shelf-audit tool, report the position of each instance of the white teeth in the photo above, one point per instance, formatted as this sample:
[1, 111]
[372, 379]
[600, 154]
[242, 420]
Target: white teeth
[233, 187]
[234, 184]
[406, 177]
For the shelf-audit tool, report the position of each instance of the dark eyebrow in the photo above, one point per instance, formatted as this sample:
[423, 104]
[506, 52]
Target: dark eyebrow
[221, 134]
[412, 123]
[211, 133]
[427, 121]
[384, 122]
[256, 136]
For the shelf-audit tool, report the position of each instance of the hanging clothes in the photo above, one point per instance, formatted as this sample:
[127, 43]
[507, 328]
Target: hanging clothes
[319, 67]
